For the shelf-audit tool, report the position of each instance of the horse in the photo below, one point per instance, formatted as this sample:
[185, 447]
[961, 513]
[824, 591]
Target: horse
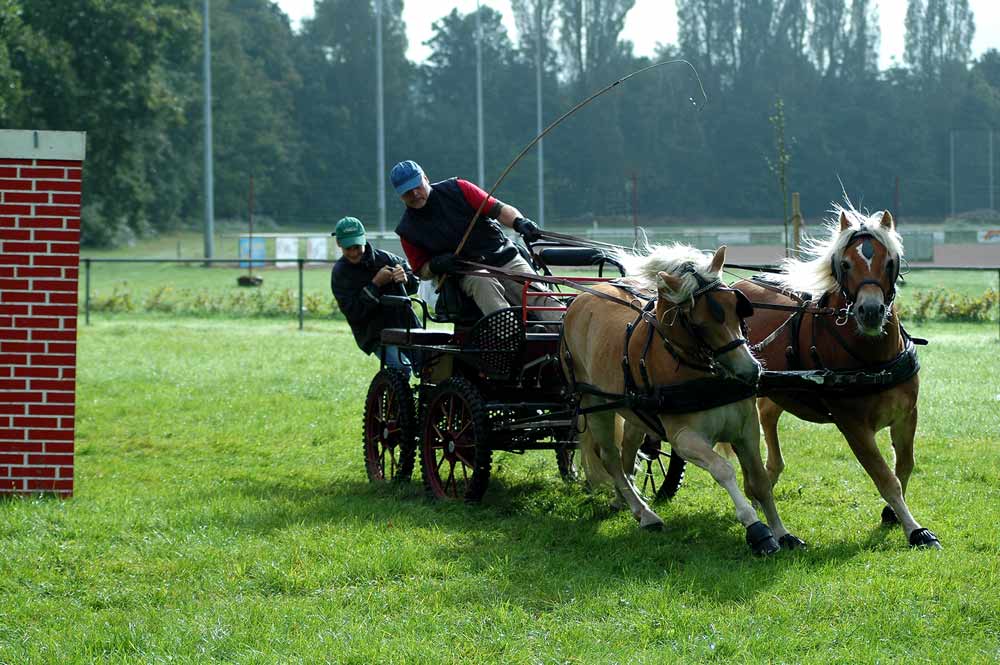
[677, 368]
[827, 333]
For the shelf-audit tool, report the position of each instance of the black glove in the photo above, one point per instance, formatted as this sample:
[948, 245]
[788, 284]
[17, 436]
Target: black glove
[444, 263]
[528, 229]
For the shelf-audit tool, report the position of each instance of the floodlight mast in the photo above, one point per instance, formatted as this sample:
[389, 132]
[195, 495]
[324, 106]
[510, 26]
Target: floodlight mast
[209, 185]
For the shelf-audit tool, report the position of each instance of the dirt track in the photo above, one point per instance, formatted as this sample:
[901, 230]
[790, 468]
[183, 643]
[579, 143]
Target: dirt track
[978, 254]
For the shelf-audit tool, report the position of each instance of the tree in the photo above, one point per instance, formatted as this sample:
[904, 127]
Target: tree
[938, 33]
[104, 66]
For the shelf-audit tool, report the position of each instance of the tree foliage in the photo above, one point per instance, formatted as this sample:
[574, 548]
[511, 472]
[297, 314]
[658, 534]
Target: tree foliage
[296, 110]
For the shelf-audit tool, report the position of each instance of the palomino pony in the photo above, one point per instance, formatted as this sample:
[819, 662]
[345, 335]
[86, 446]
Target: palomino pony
[677, 368]
[831, 321]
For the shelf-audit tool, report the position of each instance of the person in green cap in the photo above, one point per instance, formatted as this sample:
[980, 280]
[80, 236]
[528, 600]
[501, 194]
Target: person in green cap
[360, 277]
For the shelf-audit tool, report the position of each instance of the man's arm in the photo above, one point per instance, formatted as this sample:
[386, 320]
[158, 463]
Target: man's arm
[419, 258]
[494, 208]
[356, 304]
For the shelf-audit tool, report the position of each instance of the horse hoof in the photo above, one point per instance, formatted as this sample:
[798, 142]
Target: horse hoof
[761, 540]
[889, 517]
[790, 542]
[651, 522]
[924, 539]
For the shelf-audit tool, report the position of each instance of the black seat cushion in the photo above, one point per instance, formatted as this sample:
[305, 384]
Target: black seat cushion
[415, 337]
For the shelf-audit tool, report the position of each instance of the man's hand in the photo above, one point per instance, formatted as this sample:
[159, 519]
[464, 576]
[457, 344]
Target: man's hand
[398, 274]
[528, 229]
[444, 263]
[383, 276]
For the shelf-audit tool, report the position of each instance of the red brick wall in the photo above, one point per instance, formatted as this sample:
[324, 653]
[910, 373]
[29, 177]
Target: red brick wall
[39, 259]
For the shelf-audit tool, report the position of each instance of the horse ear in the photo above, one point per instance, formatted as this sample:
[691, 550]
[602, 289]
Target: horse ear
[672, 283]
[887, 221]
[718, 260]
[844, 222]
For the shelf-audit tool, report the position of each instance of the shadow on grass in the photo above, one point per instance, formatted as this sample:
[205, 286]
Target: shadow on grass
[554, 533]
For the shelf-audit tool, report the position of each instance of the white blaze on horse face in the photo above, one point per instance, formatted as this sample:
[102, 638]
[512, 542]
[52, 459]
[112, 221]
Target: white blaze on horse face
[868, 261]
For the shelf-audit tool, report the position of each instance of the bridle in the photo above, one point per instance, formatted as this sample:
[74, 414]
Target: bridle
[705, 354]
[841, 276]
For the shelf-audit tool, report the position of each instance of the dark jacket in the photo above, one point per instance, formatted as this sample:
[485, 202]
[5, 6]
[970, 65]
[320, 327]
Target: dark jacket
[358, 297]
[438, 227]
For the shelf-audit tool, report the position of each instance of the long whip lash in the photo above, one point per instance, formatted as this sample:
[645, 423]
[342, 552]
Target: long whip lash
[558, 120]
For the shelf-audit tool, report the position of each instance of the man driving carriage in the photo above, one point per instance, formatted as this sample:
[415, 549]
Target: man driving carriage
[359, 278]
[432, 226]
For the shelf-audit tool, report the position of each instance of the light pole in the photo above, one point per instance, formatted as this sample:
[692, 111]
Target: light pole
[538, 112]
[479, 95]
[379, 120]
[209, 185]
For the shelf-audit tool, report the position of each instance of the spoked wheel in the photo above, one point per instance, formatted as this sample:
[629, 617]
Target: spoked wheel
[659, 473]
[390, 427]
[455, 451]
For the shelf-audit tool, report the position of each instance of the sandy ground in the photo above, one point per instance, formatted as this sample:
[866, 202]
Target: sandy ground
[978, 254]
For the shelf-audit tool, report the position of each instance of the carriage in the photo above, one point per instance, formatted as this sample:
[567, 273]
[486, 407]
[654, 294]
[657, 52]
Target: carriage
[492, 383]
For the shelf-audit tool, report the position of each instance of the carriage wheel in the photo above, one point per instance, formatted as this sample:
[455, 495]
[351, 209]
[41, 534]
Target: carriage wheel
[455, 451]
[653, 477]
[389, 428]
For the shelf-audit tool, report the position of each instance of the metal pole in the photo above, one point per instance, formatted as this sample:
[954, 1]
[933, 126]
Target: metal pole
[209, 185]
[992, 207]
[951, 135]
[301, 310]
[380, 122]
[86, 288]
[479, 96]
[250, 239]
[538, 112]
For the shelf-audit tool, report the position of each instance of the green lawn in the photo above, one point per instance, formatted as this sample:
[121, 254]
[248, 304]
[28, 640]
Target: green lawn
[221, 513]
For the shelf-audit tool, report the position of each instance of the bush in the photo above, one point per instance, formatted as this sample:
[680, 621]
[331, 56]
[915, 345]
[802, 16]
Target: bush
[250, 302]
[948, 306]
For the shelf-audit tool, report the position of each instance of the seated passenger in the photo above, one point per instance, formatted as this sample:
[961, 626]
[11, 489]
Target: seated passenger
[434, 222]
[360, 277]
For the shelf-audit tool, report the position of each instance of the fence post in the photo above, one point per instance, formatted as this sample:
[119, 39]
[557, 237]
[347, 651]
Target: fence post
[86, 288]
[301, 264]
[796, 223]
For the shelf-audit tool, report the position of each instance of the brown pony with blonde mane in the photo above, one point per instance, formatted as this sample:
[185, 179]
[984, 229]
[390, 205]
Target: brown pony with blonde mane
[828, 336]
[686, 348]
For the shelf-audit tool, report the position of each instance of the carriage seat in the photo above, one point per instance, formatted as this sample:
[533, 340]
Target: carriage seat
[416, 337]
[454, 306]
[575, 256]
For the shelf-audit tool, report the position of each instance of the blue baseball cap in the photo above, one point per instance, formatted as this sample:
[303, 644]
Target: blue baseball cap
[405, 176]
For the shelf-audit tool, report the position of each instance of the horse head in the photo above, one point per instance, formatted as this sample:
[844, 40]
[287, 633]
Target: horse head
[704, 314]
[866, 269]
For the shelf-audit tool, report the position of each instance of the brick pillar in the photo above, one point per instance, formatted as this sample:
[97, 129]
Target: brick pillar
[40, 175]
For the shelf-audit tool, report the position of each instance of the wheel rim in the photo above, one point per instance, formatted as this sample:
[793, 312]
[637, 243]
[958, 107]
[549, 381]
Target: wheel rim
[450, 442]
[383, 433]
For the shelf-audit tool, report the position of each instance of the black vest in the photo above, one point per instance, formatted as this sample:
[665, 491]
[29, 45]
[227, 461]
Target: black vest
[438, 227]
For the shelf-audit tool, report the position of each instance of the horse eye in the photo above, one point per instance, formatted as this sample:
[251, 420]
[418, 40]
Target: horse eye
[845, 265]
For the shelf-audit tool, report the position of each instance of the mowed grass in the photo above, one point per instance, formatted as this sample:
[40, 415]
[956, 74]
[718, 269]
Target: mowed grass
[222, 514]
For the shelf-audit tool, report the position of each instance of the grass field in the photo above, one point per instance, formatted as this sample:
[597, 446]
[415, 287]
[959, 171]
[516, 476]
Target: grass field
[222, 514]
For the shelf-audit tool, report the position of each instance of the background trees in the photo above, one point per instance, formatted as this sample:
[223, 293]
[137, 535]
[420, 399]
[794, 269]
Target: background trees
[296, 109]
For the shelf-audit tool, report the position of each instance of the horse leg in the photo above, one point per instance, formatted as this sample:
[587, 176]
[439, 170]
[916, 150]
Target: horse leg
[902, 433]
[758, 485]
[631, 441]
[599, 440]
[695, 448]
[862, 442]
[769, 412]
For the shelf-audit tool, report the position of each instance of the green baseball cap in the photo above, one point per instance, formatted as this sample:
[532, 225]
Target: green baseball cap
[350, 232]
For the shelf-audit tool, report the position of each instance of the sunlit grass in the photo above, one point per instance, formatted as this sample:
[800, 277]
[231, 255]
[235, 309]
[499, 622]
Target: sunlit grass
[222, 513]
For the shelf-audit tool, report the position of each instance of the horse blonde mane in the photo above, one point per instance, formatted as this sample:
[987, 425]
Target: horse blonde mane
[813, 273]
[676, 259]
